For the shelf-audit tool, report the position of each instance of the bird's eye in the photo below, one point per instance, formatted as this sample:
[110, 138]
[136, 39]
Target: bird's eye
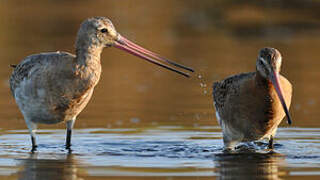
[104, 30]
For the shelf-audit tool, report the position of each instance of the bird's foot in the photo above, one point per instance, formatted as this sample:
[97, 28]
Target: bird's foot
[228, 150]
[270, 145]
[68, 146]
[34, 148]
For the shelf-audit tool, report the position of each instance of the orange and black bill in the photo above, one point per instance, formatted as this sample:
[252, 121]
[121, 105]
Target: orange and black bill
[276, 84]
[132, 48]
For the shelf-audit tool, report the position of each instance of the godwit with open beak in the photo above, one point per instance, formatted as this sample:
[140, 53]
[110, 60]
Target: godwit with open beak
[250, 106]
[54, 87]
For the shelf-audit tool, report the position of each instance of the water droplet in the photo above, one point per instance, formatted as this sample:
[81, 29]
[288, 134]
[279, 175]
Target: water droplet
[119, 123]
[311, 102]
[197, 116]
[203, 85]
[142, 88]
[109, 126]
[135, 120]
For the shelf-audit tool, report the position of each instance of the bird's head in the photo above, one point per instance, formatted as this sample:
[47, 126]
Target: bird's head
[99, 32]
[269, 62]
[268, 66]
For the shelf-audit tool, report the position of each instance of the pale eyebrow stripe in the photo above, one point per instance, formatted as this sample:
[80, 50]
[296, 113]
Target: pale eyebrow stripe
[264, 62]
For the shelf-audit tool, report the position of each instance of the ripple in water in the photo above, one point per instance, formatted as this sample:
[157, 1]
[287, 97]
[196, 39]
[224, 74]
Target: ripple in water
[193, 152]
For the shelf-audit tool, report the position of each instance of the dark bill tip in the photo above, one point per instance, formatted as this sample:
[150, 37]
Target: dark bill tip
[130, 47]
[276, 84]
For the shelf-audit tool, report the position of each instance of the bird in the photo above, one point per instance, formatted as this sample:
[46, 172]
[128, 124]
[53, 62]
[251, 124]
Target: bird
[55, 87]
[250, 106]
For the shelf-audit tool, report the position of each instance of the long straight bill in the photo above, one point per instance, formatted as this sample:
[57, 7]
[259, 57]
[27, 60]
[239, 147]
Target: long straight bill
[128, 46]
[276, 84]
[154, 55]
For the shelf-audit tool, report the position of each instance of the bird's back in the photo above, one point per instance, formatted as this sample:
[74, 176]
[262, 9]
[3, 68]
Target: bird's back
[229, 87]
[50, 87]
[38, 64]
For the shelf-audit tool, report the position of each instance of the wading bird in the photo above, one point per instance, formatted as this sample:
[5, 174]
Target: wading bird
[250, 106]
[55, 87]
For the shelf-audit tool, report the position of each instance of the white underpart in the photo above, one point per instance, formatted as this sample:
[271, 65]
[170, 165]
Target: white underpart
[218, 118]
[70, 123]
[41, 93]
[28, 103]
[21, 98]
[270, 133]
[231, 137]
[32, 127]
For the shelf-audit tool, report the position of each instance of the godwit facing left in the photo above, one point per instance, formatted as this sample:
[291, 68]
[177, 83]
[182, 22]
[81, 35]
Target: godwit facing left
[250, 106]
[54, 87]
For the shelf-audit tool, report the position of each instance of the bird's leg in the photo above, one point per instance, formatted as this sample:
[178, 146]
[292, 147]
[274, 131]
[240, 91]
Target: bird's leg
[68, 139]
[229, 145]
[270, 145]
[32, 129]
[69, 133]
[34, 144]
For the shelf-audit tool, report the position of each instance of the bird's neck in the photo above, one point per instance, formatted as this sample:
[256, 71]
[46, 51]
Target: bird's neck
[88, 49]
[85, 56]
[261, 81]
[87, 65]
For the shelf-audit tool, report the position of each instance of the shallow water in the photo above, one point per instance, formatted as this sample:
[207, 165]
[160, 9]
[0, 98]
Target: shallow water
[144, 122]
[164, 152]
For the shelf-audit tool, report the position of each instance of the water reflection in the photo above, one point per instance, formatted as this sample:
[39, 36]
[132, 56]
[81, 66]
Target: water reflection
[50, 167]
[165, 151]
[253, 165]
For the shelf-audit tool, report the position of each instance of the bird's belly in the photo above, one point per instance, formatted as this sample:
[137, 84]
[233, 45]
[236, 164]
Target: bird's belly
[40, 107]
[37, 111]
[243, 123]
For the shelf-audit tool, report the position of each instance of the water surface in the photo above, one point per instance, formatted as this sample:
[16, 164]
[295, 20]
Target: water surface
[164, 152]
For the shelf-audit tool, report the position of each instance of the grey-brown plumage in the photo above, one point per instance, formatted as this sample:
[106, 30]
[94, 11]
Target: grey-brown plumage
[248, 106]
[50, 88]
[55, 87]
